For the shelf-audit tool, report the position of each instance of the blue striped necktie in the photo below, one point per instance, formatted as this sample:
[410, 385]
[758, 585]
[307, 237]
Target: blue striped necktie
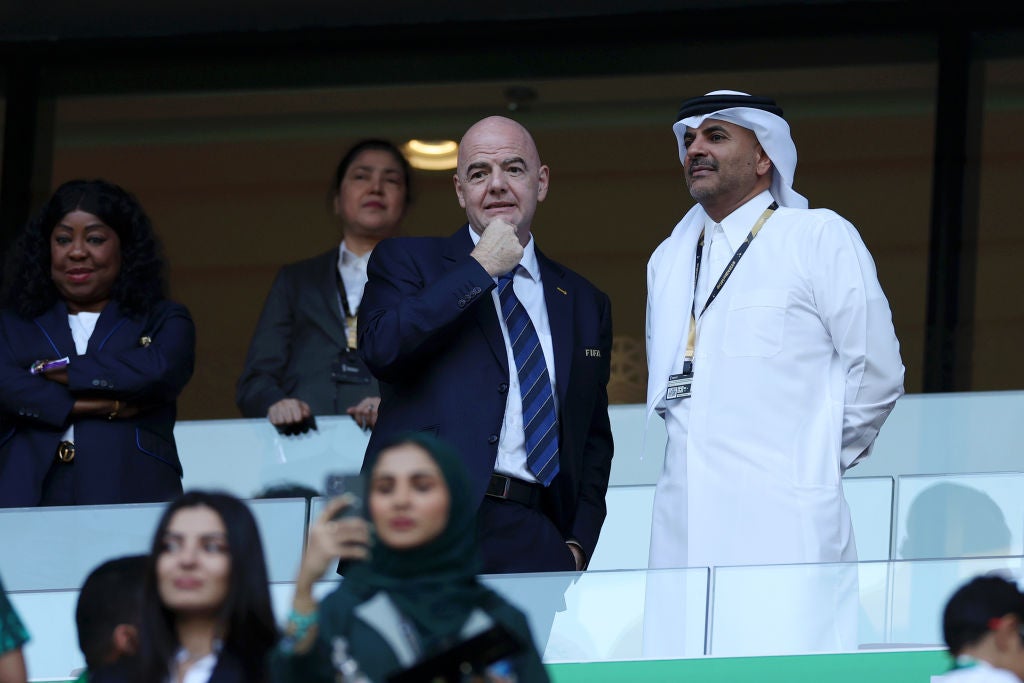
[539, 419]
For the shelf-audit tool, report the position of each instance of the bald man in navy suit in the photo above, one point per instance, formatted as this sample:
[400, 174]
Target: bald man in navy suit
[431, 332]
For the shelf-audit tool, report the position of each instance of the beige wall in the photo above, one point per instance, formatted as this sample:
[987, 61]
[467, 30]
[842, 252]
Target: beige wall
[236, 185]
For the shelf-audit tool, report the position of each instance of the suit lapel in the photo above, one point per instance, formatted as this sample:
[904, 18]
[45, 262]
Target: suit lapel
[326, 311]
[54, 325]
[459, 245]
[559, 300]
[109, 321]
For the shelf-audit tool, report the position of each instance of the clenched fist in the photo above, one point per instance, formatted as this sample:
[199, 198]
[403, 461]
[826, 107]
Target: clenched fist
[499, 249]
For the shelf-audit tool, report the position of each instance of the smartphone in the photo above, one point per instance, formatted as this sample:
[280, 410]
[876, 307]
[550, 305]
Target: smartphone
[353, 484]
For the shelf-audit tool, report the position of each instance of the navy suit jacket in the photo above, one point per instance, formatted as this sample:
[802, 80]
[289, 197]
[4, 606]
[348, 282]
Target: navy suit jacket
[429, 332]
[299, 336]
[117, 461]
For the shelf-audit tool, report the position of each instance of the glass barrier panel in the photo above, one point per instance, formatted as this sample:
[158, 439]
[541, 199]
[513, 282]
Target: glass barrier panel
[959, 515]
[978, 431]
[55, 548]
[660, 615]
[626, 535]
[49, 617]
[248, 456]
[784, 609]
[603, 616]
[925, 434]
[921, 588]
[870, 501]
[282, 525]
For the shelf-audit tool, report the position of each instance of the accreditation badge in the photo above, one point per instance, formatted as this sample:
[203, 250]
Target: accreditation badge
[679, 385]
[350, 369]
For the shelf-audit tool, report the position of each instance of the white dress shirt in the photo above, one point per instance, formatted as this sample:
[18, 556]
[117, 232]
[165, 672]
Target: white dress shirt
[530, 292]
[82, 325]
[352, 269]
[201, 670]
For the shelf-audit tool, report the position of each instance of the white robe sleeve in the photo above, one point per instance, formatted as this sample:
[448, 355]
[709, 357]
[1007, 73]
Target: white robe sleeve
[856, 314]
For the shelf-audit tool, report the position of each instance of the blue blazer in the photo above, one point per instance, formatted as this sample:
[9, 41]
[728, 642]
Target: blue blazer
[430, 333]
[117, 461]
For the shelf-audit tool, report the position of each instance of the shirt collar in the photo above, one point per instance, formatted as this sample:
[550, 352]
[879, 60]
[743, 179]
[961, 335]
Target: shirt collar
[182, 654]
[528, 263]
[737, 224]
[348, 258]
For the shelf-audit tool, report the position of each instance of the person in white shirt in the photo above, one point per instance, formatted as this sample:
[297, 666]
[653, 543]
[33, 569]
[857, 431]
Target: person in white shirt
[983, 626]
[771, 349]
[302, 359]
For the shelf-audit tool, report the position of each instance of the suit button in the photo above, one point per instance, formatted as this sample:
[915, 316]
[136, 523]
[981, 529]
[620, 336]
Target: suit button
[492, 439]
[475, 291]
[95, 382]
[21, 411]
[502, 388]
[462, 303]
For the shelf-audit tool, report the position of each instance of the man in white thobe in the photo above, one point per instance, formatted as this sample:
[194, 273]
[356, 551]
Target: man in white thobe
[774, 362]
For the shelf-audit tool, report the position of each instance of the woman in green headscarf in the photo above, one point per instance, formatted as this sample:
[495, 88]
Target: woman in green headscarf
[410, 593]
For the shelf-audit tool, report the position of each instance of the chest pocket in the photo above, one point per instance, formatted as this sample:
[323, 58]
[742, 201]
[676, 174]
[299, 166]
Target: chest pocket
[755, 323]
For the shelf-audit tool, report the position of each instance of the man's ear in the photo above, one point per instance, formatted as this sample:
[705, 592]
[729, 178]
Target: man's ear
[1006, 632]
[458, 190]
[126, 640]
[543, 177]
[764, 164]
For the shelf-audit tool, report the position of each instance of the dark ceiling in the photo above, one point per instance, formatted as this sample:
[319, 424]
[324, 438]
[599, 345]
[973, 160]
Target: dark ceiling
[110, 46]
[57, 20]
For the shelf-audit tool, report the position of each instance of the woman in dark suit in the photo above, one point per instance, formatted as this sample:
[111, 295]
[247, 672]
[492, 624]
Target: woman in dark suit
[93, 356]
[302, 360]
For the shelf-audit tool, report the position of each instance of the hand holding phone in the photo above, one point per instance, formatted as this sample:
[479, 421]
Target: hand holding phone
[339, 531]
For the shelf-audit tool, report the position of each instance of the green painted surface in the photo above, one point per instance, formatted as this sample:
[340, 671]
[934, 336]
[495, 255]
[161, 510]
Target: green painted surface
[860, 667]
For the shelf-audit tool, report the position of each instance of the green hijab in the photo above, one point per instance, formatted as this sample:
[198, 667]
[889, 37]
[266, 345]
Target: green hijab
[434, 585]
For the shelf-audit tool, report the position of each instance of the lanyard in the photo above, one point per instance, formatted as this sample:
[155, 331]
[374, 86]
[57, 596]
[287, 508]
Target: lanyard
[350, 318]
[691, 340]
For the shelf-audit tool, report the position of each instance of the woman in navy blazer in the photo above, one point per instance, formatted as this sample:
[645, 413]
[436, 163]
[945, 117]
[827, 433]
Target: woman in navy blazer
[93, 356]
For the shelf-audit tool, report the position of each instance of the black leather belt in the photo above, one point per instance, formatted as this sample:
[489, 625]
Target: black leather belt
[516, 490]
[66, 451]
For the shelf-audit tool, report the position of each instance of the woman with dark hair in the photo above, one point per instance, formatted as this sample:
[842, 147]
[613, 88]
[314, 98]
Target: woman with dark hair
[302, 359]
[411, 595]
[93, 356]
[206, 614]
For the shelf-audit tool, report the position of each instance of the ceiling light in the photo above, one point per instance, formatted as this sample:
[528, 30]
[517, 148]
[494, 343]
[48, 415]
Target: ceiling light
[432, 155]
